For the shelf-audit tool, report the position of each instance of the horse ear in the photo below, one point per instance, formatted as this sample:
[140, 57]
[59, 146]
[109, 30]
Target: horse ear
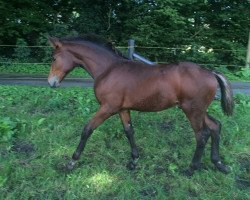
[55, 42]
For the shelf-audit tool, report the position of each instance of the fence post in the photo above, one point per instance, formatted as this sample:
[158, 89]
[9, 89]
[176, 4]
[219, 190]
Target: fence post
[248, 52]
[131, 49]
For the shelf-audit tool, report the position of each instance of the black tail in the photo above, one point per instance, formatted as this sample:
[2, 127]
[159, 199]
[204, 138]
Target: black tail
[227, 103]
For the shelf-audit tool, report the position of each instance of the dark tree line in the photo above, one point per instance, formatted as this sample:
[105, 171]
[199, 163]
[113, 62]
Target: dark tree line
[208, 31]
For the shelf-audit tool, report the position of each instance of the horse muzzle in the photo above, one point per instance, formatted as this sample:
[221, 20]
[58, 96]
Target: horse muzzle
[54, 81]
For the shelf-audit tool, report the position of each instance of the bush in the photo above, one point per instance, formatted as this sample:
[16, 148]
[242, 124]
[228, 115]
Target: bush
[244, 73]
[22, 53]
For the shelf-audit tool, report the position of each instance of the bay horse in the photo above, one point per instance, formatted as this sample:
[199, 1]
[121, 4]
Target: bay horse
[121, 85]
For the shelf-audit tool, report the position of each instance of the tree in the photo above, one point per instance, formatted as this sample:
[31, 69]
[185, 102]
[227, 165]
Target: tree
[202, 31]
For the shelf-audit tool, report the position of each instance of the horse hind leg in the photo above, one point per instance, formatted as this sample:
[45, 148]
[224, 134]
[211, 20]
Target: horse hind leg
[129, 131]
[215, 128]
[196, 117]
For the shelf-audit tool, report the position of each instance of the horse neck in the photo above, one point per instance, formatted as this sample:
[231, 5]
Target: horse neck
[95, 60]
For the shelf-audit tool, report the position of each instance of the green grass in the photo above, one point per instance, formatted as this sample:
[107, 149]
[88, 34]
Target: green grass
[44, 127]
[37, 69]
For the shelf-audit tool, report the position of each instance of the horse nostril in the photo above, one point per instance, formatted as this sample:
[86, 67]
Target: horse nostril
[53, 85]
[53, 82]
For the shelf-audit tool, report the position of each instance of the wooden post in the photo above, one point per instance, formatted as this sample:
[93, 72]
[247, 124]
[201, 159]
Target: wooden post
[248, 52]
[131, 49]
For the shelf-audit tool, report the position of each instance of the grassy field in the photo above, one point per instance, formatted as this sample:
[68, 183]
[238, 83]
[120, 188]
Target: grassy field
[40, 129]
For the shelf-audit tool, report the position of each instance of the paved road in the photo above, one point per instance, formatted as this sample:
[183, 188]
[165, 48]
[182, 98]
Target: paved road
[238, 87]
[42, 81]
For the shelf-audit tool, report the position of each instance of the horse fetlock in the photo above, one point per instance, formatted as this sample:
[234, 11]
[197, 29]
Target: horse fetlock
[76, 155]
[215, 159]
[71, 165]
[222, 167]
[195, 166]
[135, 154]
[132, 164]
[188, 172]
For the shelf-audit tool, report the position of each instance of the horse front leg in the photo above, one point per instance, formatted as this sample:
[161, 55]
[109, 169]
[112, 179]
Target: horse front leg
[129, 131]
[102, 114]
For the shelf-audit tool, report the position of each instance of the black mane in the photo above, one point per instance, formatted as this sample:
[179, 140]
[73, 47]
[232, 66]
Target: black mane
[95, 39]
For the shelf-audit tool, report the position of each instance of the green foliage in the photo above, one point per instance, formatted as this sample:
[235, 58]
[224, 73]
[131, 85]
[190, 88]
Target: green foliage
[6, 130]
[22, 53]
[244, 73]
[45, 54]
[31, 69]
[218, 26]
[52, 121]
[242, 103]
[230, 74]
[36, 69]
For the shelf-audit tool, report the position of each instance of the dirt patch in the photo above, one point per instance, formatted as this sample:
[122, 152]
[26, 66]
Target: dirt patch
[166, 125]
[245, 162]
[23, 147]
[159, 169]
[242, 180]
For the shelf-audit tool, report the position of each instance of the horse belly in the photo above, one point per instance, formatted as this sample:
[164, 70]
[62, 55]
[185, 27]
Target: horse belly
[149, 103]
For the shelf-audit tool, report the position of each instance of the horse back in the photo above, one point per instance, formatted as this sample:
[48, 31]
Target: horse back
[133, 85]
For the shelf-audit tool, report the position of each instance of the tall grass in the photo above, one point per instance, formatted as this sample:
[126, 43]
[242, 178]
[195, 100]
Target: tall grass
[46, 126]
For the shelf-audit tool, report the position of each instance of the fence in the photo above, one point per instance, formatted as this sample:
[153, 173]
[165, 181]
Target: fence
[41, 55]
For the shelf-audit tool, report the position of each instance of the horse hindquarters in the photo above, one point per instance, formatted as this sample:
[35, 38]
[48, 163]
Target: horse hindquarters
[204, 125]
[197, 95]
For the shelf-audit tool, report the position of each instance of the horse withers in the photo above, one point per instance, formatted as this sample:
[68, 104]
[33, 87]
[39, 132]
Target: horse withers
[121, 85]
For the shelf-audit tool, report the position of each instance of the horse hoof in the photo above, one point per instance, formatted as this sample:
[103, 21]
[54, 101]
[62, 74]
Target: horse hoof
[71, 165]
[222, 168]
[188, 172]
[131, 165]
